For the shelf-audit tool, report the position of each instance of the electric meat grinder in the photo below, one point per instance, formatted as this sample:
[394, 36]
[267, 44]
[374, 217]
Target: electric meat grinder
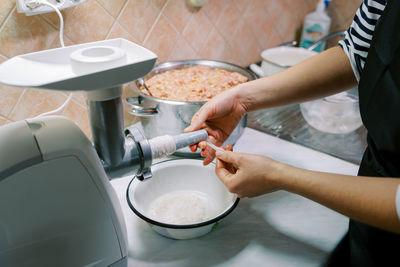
[57, 207]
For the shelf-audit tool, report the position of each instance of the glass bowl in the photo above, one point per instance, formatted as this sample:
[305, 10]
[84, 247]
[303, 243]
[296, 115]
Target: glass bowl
[336, 114]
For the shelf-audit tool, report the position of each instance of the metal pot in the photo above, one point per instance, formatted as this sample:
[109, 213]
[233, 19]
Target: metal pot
[160, 116]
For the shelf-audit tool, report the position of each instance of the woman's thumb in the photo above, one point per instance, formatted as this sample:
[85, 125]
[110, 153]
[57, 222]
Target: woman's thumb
[196, 123]
[199, 118]
[228, 157]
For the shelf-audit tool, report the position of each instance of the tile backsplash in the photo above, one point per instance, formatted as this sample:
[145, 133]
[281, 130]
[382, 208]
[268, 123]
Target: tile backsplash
[235, 31]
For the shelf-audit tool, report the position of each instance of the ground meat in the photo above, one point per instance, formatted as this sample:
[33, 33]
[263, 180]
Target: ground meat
[192, 84]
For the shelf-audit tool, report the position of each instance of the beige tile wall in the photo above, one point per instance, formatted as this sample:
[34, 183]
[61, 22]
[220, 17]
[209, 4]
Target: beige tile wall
[235, 31]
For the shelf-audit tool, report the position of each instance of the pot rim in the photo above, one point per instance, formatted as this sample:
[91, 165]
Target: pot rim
[167, 101]
[176, 226]
[280, 48]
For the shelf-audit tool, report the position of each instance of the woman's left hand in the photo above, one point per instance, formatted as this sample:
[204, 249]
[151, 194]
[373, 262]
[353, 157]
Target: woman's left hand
[247, 175]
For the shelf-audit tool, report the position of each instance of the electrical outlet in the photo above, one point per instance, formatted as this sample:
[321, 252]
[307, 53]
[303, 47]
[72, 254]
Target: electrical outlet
[35, 9]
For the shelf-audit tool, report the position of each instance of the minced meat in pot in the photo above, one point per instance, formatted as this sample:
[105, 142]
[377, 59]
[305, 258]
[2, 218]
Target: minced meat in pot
[192, 84]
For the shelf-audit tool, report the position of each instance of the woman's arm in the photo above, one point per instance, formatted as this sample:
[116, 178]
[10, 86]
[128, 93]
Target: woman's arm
[325, 74]
[371, 200]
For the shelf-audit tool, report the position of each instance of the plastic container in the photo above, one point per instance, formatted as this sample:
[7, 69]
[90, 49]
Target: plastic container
[337, 114]
[316, 25]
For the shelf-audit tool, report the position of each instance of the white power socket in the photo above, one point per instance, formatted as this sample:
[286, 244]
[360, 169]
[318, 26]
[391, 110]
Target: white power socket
[33, 9]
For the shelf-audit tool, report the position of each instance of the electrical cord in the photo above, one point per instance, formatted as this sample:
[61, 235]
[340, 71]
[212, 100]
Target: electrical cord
[34, 4]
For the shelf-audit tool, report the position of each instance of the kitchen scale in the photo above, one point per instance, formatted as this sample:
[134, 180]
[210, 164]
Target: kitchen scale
[57, 207]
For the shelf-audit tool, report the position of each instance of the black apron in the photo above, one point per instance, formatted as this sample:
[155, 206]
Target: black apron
[379, 93]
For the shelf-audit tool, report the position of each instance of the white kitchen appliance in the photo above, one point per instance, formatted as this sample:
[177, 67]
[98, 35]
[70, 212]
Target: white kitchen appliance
[57, 207]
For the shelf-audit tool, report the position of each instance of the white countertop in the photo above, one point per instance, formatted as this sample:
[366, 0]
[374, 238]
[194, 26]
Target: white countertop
[277, 229]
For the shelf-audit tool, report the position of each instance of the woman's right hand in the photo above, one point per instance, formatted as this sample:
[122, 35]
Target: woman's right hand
[219, 117]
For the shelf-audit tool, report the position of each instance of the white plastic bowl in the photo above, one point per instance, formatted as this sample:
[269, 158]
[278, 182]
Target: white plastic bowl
[178, 175]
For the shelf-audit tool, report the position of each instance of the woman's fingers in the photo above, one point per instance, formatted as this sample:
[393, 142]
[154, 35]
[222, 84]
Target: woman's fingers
[198, 119]
[229, 167]
[209, 153]
[229, 157]
[193, 148]
[221, 171]
[202, 145]
[229, 147]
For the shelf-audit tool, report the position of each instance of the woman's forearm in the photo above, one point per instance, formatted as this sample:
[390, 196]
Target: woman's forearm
[367, 199]
[324, 74]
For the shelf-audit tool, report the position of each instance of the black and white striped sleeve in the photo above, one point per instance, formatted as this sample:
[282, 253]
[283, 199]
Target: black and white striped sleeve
[358, 37]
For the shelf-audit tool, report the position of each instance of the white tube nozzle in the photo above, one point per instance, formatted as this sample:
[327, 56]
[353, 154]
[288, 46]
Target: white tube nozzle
[165, 145]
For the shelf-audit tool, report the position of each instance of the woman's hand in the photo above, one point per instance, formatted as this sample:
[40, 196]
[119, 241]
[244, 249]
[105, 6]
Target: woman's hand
[219, 117]
[247, 175]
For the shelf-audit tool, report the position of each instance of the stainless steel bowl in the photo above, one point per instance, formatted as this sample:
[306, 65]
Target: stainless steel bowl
[159, 116]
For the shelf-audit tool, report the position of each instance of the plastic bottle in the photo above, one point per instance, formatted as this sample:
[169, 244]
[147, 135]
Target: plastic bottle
[316, 25]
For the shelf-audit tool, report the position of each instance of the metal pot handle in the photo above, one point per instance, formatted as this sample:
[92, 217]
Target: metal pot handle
[329, 36]
[291, 43]
[257, 70]
[318, 42]
[139, 110]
